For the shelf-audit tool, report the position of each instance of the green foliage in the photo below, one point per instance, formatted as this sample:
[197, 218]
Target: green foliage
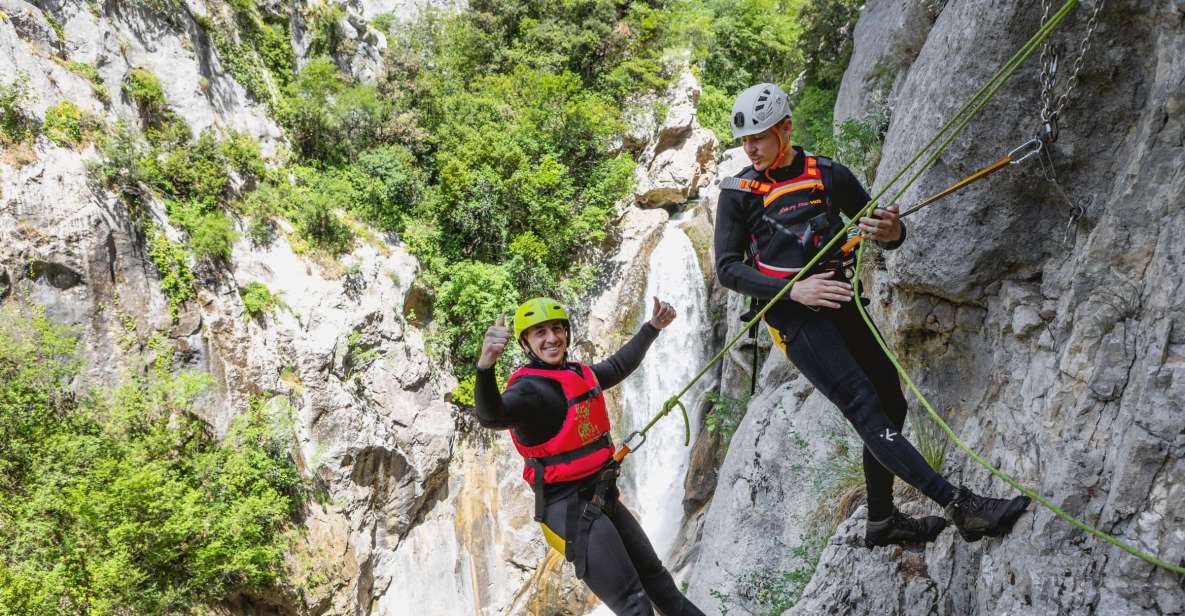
[213, 236]
[315, 213]
[16, 125]
[725, 415]
[753, 41]
[385, 185]
[119, 501]
[98, 88]
[469, 300]
[359, 354]
[58, 30]
[813, 120]
[255, 50]
[766, 592]
[715, 112]
[826, 40]
[384, 21]
[323, 18]
[930, 440]
[172, 265]
[258, 300]
[66, 124]
[858, 141]
[118, 164]
[331, 120]
[193, 177]
[144, 89]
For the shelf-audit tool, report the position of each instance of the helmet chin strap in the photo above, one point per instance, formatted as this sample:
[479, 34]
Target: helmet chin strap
[782, 147]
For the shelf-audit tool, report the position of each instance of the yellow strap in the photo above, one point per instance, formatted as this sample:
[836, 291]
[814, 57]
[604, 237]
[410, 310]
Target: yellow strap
[556, 542]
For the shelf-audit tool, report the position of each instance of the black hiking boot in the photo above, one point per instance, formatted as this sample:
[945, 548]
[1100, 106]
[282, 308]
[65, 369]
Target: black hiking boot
[978, 516]
[901, 529]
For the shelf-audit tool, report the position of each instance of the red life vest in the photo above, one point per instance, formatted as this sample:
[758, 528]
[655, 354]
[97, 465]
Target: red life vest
[582, 447]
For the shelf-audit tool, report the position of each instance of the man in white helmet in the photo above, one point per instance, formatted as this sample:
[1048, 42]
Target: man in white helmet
[772, 219]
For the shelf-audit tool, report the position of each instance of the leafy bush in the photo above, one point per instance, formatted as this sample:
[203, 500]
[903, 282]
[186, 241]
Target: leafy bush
[318, 223]
[118, 501]
[766, 592]
[144, 89]
[98, 88]
[258, 300]
[16, 125]
[471, 297]
[389, 186]
[66, 124]
[118, 164]
[813, 120]
[329, 119]
[725, 415]
[213, 236]
[172, 265]
[753, 41]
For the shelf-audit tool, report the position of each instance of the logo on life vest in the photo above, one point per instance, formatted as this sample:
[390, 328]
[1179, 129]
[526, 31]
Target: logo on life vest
[587, 432]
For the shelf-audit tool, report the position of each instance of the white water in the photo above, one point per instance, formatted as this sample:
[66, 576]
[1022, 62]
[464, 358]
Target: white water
[652, 477]
[652, 481]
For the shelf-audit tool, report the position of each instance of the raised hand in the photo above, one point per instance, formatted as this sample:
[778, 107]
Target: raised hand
[664, 313]
[497, 336]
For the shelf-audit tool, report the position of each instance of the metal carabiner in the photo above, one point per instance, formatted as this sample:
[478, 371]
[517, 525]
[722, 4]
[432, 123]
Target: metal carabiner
[1049, 130]
[1033, 147]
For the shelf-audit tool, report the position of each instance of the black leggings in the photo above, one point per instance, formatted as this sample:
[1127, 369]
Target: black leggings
[837, 353]
[623, 570]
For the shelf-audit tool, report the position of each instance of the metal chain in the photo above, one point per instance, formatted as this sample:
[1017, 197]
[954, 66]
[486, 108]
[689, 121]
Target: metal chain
[1050, 107]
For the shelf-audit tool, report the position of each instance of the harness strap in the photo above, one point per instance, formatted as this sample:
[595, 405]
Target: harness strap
[744, 185]
[602, 502]
[588, 395]
[539, 465]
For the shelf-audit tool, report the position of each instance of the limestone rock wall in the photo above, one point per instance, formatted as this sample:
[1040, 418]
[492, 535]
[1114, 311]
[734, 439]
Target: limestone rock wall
[1052, 345]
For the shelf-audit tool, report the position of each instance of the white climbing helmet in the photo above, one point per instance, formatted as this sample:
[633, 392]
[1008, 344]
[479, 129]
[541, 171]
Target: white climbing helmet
[759, 108]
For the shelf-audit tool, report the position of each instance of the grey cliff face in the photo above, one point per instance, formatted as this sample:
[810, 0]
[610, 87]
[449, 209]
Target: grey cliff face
[1051, 345]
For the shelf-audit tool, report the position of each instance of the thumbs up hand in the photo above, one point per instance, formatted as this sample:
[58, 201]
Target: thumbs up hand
[497, 336]
[664, 313]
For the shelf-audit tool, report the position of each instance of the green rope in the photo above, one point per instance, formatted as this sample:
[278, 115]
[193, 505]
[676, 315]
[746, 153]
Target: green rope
[984, 463]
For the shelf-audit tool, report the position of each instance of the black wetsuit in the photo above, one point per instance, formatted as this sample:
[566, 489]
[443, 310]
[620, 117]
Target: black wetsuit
[832, 347]
[622, 568]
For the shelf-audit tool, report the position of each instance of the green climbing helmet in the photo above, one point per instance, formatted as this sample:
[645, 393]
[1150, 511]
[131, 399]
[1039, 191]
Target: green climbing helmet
[536, 311]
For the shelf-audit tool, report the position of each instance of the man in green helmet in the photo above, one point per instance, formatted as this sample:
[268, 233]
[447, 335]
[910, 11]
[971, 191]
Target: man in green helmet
[555, 411]
[773, 218]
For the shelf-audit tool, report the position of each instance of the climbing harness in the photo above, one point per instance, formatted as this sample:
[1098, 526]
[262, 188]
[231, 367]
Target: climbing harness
[938, 143]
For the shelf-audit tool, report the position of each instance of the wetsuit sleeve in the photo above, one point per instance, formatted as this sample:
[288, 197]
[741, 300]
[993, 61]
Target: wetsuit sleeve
[502, 410]
[627, 359]
[849, 195]
[731, 242]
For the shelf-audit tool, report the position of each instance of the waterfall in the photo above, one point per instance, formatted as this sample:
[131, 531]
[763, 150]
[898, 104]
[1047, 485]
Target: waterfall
[652, 479]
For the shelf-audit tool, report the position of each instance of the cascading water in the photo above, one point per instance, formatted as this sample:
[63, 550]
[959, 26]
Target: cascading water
[652, 477]
[652, 480]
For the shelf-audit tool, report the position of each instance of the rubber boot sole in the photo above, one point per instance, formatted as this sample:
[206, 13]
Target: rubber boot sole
[872, 542]
[1016, 507]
